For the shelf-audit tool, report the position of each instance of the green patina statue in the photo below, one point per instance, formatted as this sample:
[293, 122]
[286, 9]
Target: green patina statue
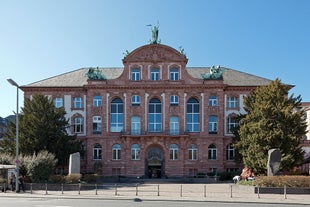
[95, 74]
[155, 31]
[216, 73]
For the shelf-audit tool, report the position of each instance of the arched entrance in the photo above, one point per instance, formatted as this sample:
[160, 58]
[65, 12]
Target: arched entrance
[154, 163]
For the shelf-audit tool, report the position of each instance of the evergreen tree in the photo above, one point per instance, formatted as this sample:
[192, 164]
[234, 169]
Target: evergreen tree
[42, 126]
[272, 120]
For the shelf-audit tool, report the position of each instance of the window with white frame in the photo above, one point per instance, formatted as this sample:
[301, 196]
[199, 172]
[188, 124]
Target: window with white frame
[174, 125]
[213, 100]
[97, 125]
[213, 123]
[155, 115]
[174, 100]
[116, 152]
[192, 152]
[155, 74]
[232, 123]
[135, 74]
[174, 152]
[230, 152]
[212, 152]
[135, 100]
[232, 102]
[135, 152]
[135, 125]
[78, 102]
[117, 115]
[174, 74]
[97, 152]
[97, 101]
[58, 102]
[78, 125]
[192, 116]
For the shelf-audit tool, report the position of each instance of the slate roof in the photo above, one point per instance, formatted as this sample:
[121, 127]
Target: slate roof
[77, 78]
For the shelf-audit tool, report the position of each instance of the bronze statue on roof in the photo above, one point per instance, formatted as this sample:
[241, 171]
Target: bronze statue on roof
[155, 32]
[216, 73]
[95, 74]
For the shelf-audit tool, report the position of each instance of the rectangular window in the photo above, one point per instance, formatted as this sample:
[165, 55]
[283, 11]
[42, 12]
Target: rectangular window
[97, 127]
[213, 101]
[213, 122]
[78, 102]
[97, 101]
[174, 125]
[174, 100]
[135, 125]
[232, 123]
[135, 74]
[232, 102]
[135, 100]
[174, 74]
[155, 75]
[58, 102]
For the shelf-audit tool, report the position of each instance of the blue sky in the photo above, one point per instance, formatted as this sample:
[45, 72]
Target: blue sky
[40, 39]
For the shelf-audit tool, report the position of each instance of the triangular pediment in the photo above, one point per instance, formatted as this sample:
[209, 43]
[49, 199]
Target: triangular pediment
[155, 53]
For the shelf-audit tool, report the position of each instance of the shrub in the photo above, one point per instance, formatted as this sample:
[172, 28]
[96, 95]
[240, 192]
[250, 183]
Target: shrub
[57, 179]
[281, 181]
[226, 175]
[73, 178]
[6, 159]
[90, 178]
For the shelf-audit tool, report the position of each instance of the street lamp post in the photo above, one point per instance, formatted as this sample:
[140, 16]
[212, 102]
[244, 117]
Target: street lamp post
[13, 83]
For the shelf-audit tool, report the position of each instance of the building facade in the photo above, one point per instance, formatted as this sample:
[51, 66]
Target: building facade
[154, 117]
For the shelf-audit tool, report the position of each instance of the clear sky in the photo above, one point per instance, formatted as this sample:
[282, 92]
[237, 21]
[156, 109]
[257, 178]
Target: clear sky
[44, 38]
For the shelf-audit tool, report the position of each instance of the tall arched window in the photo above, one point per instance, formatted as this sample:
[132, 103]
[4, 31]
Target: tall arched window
[135, 152]
[212, 152]
[192, 116]
[155, 115]
[192, 152]
[97, 150]
[116, 152]
[117, 115]
[174, 152]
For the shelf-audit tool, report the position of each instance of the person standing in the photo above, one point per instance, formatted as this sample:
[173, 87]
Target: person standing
[12, 181]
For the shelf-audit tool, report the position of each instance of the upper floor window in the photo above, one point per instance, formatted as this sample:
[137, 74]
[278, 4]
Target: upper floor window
[97, 126]
[213, 123]
[155, 115]
[135, 100]
[192, 116]
[232, 123]
[78, 125]
[232, 102]
[97, 152]
[97, 101]
[212, 152]
[58, 102]
[135, 152]
[192, 152]
[155, 74]
[174, 125]
[174, 152]
[117, 115]
[135, 125]
[116, 152]
[174, 74]
[135, 74]
[230, 152]
[78, 102]
[213, 100]
[174, 100]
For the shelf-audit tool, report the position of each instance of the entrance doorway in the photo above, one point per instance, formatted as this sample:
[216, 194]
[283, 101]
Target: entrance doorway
[154, 163]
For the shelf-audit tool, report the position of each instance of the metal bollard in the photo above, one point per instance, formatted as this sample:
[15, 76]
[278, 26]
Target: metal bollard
[79, 188]
[30, 188]
[96, 189]
[258, 196]
[231, 191]
[157, 190]
[116, 189]
[62, 188]
[46, 188]
[136, 189]
[285, 192]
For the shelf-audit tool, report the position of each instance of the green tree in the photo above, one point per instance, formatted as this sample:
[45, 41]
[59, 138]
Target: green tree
[272, 120]
[42, 126]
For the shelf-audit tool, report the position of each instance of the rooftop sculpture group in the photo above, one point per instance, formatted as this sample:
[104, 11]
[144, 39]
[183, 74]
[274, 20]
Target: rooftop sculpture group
[216, 73]
[95, 74]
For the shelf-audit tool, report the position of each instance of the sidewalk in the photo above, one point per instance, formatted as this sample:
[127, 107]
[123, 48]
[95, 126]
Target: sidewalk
[172, 192]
